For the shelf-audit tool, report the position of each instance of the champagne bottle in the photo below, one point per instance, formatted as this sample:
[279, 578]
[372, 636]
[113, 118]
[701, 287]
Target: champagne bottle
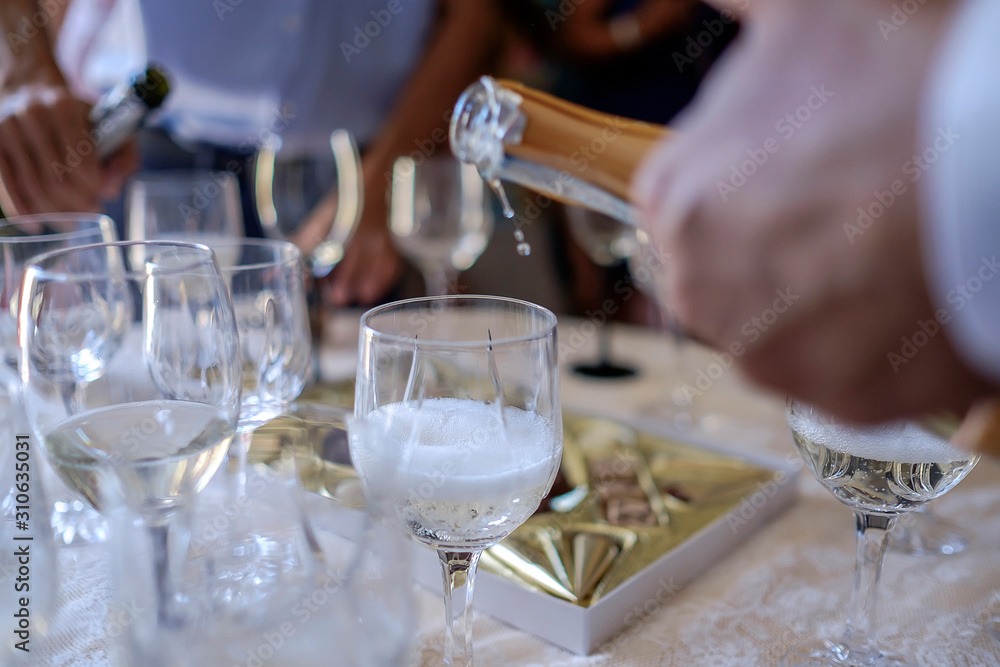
[567, 152]
[120, 111]
[586, 158]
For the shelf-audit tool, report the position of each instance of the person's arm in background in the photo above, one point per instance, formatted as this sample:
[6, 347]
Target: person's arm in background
[42, 123]
[788, 200]
[459, 50]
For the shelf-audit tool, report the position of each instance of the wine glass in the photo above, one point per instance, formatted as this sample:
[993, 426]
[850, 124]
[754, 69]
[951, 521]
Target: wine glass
[465, 391]
[131, 372]
[440, 218]
[297, 198]
[879, 472]
[21, 239]
[266, 281]
[194, 206]
[607, 242]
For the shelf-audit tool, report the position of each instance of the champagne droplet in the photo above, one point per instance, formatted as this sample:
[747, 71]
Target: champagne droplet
[497, 187]
[523, 249]
[519, 236]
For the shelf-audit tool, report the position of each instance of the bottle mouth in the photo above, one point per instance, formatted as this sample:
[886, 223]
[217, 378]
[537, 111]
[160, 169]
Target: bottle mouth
[486, 119]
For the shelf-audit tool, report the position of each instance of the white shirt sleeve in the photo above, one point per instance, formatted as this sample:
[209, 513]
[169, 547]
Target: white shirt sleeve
[961, 188]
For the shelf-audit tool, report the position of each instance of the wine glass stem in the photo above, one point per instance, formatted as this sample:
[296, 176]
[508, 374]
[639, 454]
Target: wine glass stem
[160, 538]
[458, 567]
[238, 452]
[872, 539]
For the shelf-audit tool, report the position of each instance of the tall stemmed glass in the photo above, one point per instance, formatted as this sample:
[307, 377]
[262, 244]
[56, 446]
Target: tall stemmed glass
[21, 239]
[440, 218]
[608, 243]
[879, 472]
[131, 371]
[467, 390]
[266, 280]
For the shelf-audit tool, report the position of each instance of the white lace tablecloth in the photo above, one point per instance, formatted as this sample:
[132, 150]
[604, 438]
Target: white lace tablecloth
[784, 585]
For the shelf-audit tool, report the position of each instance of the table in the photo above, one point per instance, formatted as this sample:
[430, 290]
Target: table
[786, 584]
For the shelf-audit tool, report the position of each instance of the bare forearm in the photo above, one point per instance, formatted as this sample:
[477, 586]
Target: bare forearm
[26, 53]
[460, 50]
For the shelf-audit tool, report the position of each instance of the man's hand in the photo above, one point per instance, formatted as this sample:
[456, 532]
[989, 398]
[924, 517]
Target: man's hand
[48, 161]
[788, 201]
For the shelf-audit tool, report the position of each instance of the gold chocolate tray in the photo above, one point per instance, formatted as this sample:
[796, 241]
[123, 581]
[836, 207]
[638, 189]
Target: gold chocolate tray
[623, 499]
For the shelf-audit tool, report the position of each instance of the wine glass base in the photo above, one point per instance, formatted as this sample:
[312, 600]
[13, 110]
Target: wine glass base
[827, 653]
[926, 534]
[605, 370]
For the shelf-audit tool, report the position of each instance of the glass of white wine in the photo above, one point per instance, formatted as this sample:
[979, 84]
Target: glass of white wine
[440, 217]
[879, 472]
[465, 393]
[131, 369]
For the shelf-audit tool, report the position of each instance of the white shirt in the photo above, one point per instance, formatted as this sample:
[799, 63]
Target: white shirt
[242, 69]
[962, 190]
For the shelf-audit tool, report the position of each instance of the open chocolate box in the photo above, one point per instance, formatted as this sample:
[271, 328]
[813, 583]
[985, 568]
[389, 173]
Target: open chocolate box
[634, 515]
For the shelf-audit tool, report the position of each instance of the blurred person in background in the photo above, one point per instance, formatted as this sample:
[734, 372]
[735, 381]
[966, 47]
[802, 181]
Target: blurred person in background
[843, 164]
[386, 70]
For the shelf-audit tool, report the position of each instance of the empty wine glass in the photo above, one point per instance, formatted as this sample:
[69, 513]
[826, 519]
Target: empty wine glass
[315, 203]
[440, 217]
[266, 280]
[193, 206]
[879, 472]
[465, 393]
[21, 239]
[130, 363]
[607, 242]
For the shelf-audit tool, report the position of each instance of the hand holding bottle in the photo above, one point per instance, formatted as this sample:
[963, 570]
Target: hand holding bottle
[48, 162]
[788, 201]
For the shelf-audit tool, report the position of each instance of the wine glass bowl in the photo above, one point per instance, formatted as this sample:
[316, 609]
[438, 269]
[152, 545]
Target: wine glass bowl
[440, 217]
[266, 281]
[314, 203]
[879, 472]
[197, 206]
[24, 237]
[460, 404]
